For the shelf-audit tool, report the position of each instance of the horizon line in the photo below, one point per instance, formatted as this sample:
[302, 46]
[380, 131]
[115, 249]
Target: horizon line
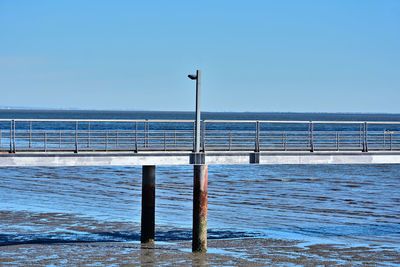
[4, 108]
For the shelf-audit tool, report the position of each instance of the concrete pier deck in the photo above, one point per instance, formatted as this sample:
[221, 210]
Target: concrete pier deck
[188, 158]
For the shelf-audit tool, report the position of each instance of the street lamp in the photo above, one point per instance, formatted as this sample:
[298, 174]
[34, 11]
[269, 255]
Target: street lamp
[197, 77]
[200, 170]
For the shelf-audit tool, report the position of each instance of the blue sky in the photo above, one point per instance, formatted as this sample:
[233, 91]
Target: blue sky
[285, 56]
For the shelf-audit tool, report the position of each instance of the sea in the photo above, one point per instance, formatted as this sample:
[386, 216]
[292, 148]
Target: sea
[352, 205]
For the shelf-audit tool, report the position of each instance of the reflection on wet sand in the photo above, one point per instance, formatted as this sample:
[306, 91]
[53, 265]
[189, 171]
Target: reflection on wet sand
[231, 252]
[147, 255]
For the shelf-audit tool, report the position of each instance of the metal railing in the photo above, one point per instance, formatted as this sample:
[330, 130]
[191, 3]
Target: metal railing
[43, 135]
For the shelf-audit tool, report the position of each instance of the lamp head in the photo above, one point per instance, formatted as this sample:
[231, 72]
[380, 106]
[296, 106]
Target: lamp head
[192, 77]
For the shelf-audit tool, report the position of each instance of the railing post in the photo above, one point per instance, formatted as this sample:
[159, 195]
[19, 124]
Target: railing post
[11, 135]
[30, 134]
[257, 137]
[311, 136]
[391, 140]
[144, 134]
[136, 136]
[14, 147]
[76, 137]
[148, 134]
[88, 140]
[1, 136]
[59, 140]
[365, 139]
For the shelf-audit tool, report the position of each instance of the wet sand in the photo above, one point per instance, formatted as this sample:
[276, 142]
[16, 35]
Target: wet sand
[221, 252]
[60, 239]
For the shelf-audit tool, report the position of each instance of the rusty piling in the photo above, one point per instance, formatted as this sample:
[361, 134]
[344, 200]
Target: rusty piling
[148, 204]
[200, 193]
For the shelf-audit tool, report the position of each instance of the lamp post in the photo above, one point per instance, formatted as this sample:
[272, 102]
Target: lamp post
[197, 77]
[200, 191]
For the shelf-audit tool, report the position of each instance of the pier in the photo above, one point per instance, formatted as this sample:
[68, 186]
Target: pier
[148, 143]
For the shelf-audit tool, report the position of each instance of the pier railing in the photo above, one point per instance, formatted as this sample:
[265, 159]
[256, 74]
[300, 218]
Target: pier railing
[44, 135]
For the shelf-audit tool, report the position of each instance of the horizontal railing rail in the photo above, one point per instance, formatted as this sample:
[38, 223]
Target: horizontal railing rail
[45, 135]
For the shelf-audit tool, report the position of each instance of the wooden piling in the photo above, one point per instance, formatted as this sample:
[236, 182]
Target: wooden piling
[148, 204]
[200, 193]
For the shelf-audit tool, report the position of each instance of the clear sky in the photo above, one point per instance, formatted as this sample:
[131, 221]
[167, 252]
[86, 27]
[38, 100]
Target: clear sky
[286, 56]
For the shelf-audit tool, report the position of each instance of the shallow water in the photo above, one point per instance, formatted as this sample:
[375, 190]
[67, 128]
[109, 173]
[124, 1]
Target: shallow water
[349, 204]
